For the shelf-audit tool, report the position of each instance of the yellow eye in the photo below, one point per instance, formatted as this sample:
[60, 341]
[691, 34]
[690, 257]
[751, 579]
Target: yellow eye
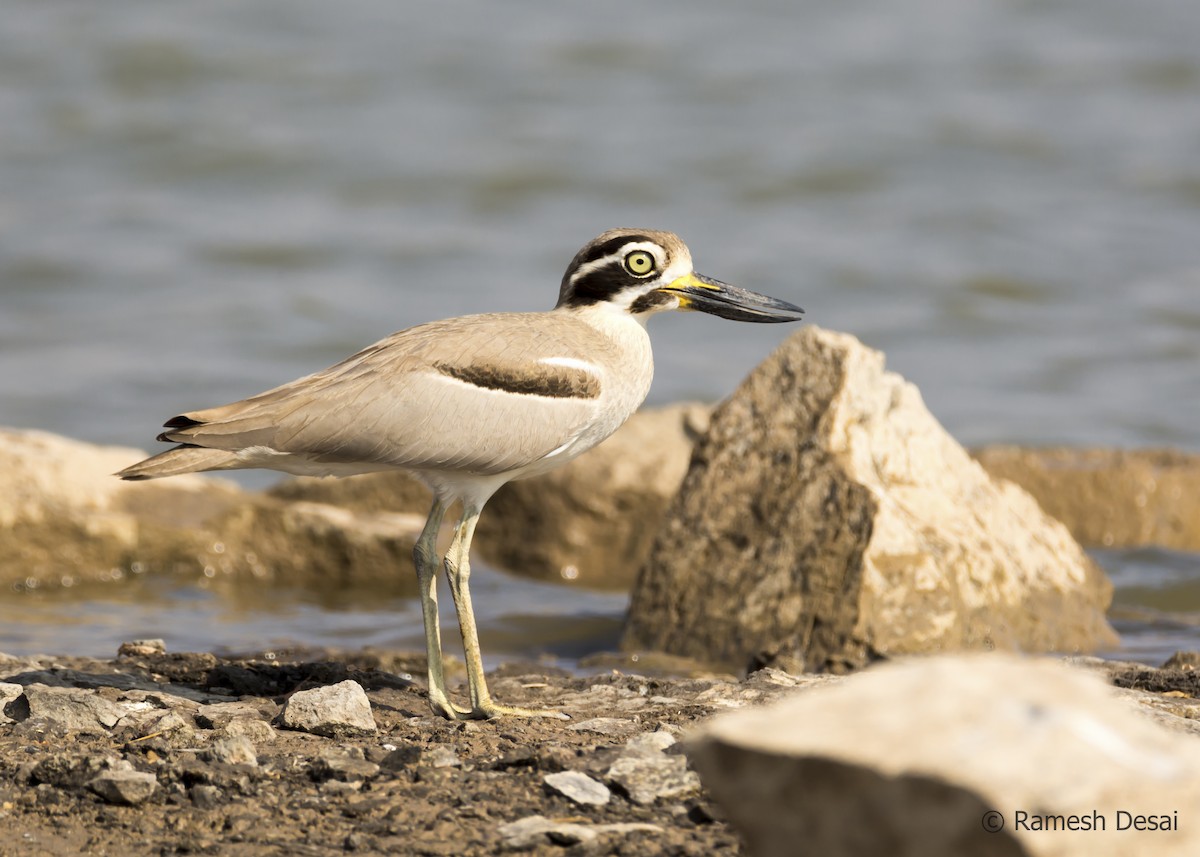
[639, 263]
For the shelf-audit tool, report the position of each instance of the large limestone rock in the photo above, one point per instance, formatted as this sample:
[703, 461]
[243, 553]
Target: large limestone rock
[1110, 497]
[827, 517]
[983, 754]
[64, 518]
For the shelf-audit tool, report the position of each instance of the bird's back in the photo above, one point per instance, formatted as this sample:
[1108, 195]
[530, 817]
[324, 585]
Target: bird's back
[483, 394]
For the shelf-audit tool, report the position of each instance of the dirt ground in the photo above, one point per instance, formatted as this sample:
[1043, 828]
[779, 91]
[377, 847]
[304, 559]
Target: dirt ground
[419, 785]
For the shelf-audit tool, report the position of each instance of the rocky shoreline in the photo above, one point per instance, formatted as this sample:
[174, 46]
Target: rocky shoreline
[818, 522]
[168, 753]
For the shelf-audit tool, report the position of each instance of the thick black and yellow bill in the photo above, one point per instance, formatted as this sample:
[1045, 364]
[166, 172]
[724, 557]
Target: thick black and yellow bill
[716, 298]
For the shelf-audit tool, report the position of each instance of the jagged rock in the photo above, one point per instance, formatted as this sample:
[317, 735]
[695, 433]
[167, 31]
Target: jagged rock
[254, 730]
[1110, 497]
[647, 779]
[335, 710]
[983, 750]
[827, 517]
[218, 714]
[232, 751]
[647, 774]
[578, 787]
[125, 787]
[73, 709]
[8, 693]
[159, 723]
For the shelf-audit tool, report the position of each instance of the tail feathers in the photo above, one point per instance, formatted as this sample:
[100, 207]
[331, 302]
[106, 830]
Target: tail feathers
[181, 459]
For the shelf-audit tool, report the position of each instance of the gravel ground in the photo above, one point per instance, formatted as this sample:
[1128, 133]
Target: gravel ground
[156, 753]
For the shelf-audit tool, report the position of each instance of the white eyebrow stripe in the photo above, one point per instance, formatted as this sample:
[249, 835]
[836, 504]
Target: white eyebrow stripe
[584, 270]
[572, 363]
[649, 246]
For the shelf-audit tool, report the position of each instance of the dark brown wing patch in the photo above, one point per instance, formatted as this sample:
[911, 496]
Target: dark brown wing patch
[535, 379]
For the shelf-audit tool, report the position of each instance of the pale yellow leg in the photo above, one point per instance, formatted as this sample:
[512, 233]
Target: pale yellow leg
[425, 557]
[458, 570]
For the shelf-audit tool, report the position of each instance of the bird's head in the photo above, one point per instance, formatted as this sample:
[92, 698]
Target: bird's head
[643, 271]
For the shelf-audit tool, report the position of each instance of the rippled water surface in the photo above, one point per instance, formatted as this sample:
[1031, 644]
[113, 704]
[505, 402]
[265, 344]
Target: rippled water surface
[199, 201]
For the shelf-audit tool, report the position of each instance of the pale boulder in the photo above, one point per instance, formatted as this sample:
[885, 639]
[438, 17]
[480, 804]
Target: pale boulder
[968, 754]
[65, 518]
[828, 518]
[1110, 497]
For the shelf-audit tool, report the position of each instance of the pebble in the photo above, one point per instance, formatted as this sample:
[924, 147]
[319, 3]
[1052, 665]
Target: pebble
[603, 725]
[124, 786]
[334, 711]
[440, 757]
[232, 751]
[649, 744]
[534, 830]
[142, 648]
[218, 714]
[257, 731]
[579, 787]
[647, 778]
[8, 693]
[159, 722]
[343, 765]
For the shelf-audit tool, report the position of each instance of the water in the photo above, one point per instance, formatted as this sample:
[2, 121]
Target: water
[199, 201]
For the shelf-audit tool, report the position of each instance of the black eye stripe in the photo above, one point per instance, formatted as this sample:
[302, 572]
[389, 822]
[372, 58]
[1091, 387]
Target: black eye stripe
[600, 284]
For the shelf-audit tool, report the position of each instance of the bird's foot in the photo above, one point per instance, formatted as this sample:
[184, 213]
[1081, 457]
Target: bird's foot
[443, 707]
[489, 710]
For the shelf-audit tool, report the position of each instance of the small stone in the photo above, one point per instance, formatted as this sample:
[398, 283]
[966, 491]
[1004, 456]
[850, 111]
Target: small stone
[648, 778]
[522, 757]
[649, 744]
[129, 788]
[603, 725]
[232, 751]
[337, 710]
[157, 723]
[440, 757]
[535, 830]
[8, 693]
[257, 731]
[1180, 660]
[141, 648]
[343, 765]
[205, 796]
[71, 708]
[578, 787]
[218, 714]
[401, 758]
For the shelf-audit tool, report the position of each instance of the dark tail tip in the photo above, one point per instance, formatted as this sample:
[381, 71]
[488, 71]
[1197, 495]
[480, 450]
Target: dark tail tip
[181, 422]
